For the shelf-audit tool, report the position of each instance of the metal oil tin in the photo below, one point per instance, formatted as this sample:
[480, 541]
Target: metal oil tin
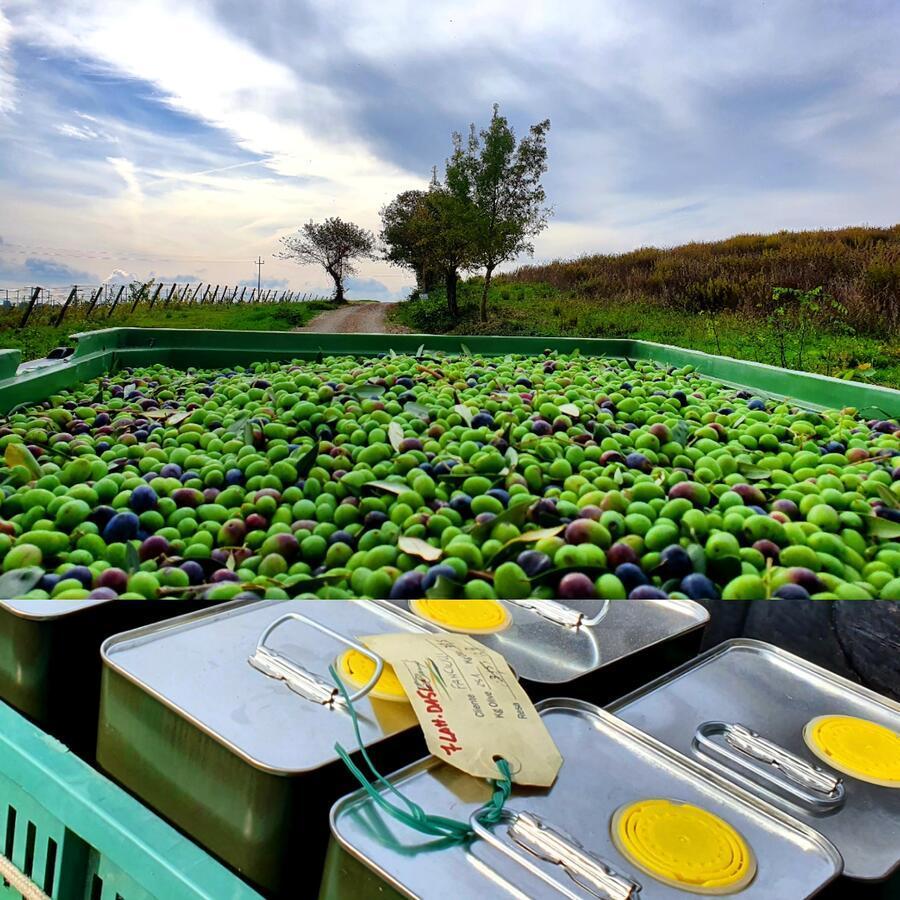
[226, 722]
[558, 842]
[740, 710]
[50, 659]
[596, 649]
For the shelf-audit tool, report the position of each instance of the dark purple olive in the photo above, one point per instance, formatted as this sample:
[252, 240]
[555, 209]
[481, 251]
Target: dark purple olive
[769, 549]
[631, 576]
[221, 575]
[533, 562]
[698, 587]
[675, 562]
[576, 586]
[82, 574]
[788, 507]
[499, 494]
[194, 571]
[541, 427]
[750, 494]
[187, 497]
[114, 579]
[407, 587]
[806, 578]
[102, 593]
[234, 476]
[153, 547]
[123, 526]
[621, 553]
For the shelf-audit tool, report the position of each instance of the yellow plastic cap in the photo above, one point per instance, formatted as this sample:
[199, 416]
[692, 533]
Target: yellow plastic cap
[466, 616]
[856, 747]
[357, 670]
[683, 846]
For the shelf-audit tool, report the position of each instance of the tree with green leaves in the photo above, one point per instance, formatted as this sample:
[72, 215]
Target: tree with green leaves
[431, 233]
[402, 237]
[334, 244]
[498, 182]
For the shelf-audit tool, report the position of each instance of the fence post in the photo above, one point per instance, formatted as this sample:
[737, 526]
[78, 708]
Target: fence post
[34, 298]
[94, 298]
[155, 295]
[112, 309]
[213, 298]
[62, 312]
[194, 295]
[241, 298]
[139, 297]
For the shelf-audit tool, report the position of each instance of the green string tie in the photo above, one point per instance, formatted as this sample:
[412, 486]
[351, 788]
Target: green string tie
[413, 816]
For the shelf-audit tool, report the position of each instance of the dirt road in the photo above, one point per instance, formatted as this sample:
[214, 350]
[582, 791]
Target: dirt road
[359, 318]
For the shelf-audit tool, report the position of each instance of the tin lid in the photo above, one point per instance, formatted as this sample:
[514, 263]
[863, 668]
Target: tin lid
[254, 676]
[564, 834]
[554, 642]
[48, 609]
[743, 710]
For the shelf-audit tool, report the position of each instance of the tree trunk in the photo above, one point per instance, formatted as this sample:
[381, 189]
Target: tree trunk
[450, 283]
[484, 293]
[338, 286]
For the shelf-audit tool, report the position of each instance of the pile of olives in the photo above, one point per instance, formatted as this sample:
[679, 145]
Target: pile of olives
[447, 476]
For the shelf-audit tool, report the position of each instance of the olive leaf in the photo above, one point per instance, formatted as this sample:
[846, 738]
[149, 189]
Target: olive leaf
[390, 487]
[99, 398]
[512, 459]
[680, 432]
[883, 528]
[464, 412]
[14, 585]
[132, 560]
[420, 352]
[416, 409]
[754, 473]
[180, 417]
[570, 409]
[887, 495]
[20, 455]
[369, 391]
[391, 353]
[395, 434]
[465, 350]
[414, 546]
[307, 461]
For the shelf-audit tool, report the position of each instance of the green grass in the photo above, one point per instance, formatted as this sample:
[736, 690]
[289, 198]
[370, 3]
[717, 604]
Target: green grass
[40, 335]
[539, 309]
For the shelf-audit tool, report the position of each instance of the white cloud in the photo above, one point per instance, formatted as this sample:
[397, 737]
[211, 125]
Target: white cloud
[125, 169]
[7, 79]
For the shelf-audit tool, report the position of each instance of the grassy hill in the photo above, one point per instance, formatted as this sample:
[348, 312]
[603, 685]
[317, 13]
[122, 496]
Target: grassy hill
[716, 297]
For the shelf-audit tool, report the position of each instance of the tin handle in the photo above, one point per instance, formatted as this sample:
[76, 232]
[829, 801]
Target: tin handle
[301, 680]
[542, 841]
[560, 613]
[744, 753]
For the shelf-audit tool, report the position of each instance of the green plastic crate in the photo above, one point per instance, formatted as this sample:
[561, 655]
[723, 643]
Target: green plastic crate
[79, 837]
[98, 352]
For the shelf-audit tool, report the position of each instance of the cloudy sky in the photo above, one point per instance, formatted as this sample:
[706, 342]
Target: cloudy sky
[181, 138]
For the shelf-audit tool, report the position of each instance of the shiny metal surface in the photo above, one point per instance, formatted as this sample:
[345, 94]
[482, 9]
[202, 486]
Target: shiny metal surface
[607, 764]
[48, 609]
[198, 665]
[775, 694]
[540, 650]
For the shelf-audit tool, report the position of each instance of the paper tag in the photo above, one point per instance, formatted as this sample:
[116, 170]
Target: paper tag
[470, 706]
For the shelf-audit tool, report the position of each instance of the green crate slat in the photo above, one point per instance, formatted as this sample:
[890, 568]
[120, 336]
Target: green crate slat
[77, 835]
[98, 352]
